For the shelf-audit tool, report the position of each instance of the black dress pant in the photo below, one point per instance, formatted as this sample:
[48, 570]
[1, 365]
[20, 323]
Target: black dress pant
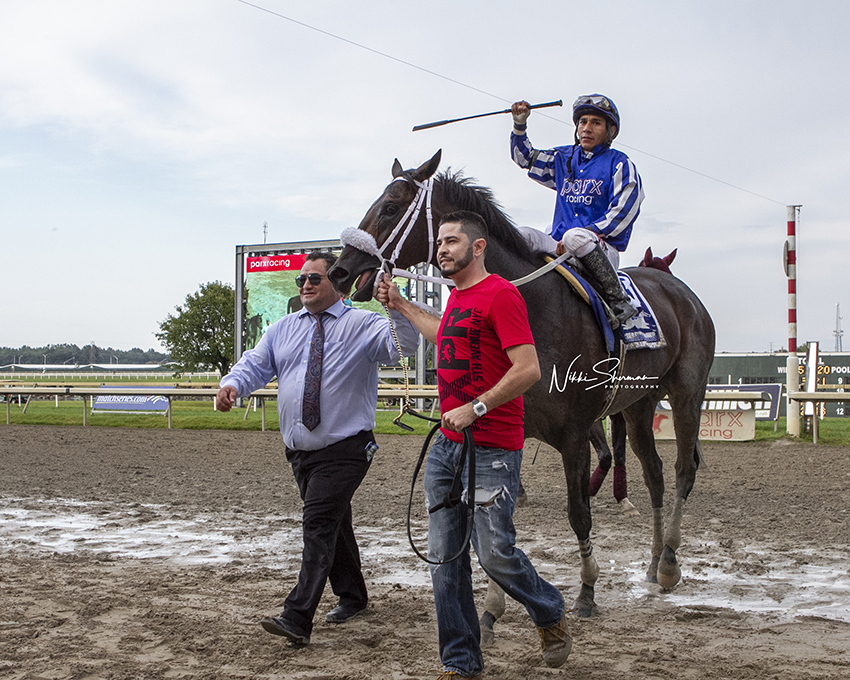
[327, 479]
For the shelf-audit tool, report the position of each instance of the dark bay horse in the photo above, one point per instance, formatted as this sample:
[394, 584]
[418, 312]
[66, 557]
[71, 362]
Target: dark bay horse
[578, 373]
[604, 454]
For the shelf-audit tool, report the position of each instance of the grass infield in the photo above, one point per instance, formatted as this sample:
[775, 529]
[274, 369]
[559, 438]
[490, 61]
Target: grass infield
[185, 415]
[199, 415]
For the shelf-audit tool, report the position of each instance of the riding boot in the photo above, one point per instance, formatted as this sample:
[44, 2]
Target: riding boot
[600, 268]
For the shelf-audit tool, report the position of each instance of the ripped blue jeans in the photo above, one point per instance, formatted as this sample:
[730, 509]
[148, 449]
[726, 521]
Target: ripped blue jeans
[493, 538]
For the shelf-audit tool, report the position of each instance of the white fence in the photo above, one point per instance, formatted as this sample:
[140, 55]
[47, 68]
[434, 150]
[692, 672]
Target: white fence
[29, 376]
[384, 391]
[88, 393]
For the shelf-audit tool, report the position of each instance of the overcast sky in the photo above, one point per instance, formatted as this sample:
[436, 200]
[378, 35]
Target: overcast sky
[140, 142]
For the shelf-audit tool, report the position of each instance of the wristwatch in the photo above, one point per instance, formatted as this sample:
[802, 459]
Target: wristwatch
[479, 408]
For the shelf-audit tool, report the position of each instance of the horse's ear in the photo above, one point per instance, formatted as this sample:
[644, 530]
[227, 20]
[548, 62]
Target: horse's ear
[672, 256]
[428, 168]
[647, 258]
[397, 169]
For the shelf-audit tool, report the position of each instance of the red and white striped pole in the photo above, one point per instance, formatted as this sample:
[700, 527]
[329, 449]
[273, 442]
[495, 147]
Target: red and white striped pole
[792, 376]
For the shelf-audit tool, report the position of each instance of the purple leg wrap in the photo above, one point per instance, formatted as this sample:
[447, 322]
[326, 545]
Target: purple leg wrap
[596, 480]
[620, 486]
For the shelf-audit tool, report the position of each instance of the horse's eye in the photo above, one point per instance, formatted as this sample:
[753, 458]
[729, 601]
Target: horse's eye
[389, 209]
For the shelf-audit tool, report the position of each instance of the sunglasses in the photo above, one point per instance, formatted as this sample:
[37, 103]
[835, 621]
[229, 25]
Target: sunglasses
[314, 279]
[601, 102]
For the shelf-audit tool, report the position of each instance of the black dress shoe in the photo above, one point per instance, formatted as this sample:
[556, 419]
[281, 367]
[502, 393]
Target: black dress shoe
[343, 612]
[284, 628]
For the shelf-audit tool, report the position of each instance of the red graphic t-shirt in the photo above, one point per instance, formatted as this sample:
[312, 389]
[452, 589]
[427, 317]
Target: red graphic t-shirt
[478, 325]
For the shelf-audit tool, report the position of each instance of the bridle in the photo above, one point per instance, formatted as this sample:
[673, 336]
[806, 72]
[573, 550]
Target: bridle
[365, 242]
[424, 192]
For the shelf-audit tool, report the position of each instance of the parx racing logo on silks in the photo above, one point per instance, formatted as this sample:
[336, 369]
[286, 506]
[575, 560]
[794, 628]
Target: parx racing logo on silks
[581, 190]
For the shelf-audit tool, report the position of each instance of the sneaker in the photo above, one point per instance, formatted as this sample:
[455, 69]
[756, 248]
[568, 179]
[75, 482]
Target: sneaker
[556, 643]
[451, 675]
[343, 612]
[284, 628]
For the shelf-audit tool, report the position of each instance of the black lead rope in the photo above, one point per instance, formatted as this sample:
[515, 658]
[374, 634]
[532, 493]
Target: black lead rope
[453, 498]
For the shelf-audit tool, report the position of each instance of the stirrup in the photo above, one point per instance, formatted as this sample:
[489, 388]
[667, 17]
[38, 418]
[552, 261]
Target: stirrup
[613, 317]
[624, 311]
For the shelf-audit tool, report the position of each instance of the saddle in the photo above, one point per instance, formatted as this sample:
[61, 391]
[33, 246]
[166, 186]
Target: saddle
[642, 331]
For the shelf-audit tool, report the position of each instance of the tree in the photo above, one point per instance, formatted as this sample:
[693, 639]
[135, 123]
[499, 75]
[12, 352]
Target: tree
[200, 335]
[71, 355]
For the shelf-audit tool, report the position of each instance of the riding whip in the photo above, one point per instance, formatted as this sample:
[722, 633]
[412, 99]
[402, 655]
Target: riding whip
[482, 115]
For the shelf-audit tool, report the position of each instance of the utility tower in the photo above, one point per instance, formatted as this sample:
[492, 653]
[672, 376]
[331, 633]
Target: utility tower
[838, 333]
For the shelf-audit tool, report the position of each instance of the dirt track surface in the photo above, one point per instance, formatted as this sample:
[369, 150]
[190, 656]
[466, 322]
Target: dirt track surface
[154, 554]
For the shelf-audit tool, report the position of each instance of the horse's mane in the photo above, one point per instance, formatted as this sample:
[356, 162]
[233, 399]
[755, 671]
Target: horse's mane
[466, 195]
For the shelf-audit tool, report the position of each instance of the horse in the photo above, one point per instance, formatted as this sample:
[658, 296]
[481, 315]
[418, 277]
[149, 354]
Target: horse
[661, 263]
[583, 378]
[618, 425]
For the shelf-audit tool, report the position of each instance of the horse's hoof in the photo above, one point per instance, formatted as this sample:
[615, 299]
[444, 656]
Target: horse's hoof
[488, 637]
[628, 509]
[584, 607]
[669, 573]
[583, 610]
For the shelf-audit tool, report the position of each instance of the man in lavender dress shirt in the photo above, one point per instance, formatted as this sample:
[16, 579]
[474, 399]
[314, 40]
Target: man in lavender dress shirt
[330, 459]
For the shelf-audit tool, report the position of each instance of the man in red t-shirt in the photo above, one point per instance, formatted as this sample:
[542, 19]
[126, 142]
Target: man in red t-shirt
[486, 360]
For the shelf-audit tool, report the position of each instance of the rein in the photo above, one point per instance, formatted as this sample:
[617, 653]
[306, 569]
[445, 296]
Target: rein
[455, 496]
[536, 274]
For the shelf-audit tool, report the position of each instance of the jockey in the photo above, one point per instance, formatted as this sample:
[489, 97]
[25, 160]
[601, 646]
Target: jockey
[599, 193]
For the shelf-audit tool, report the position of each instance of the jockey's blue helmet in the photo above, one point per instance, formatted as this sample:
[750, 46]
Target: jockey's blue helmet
[600, 105]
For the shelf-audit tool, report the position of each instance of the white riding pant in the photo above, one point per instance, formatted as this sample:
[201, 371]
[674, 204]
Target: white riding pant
[578, 242]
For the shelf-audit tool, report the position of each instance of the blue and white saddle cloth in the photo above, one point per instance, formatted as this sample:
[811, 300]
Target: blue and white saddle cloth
[642, 330]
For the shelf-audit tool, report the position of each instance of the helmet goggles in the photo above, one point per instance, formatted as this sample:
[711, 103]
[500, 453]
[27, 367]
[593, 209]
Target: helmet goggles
[599, 104]
[596, 100]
